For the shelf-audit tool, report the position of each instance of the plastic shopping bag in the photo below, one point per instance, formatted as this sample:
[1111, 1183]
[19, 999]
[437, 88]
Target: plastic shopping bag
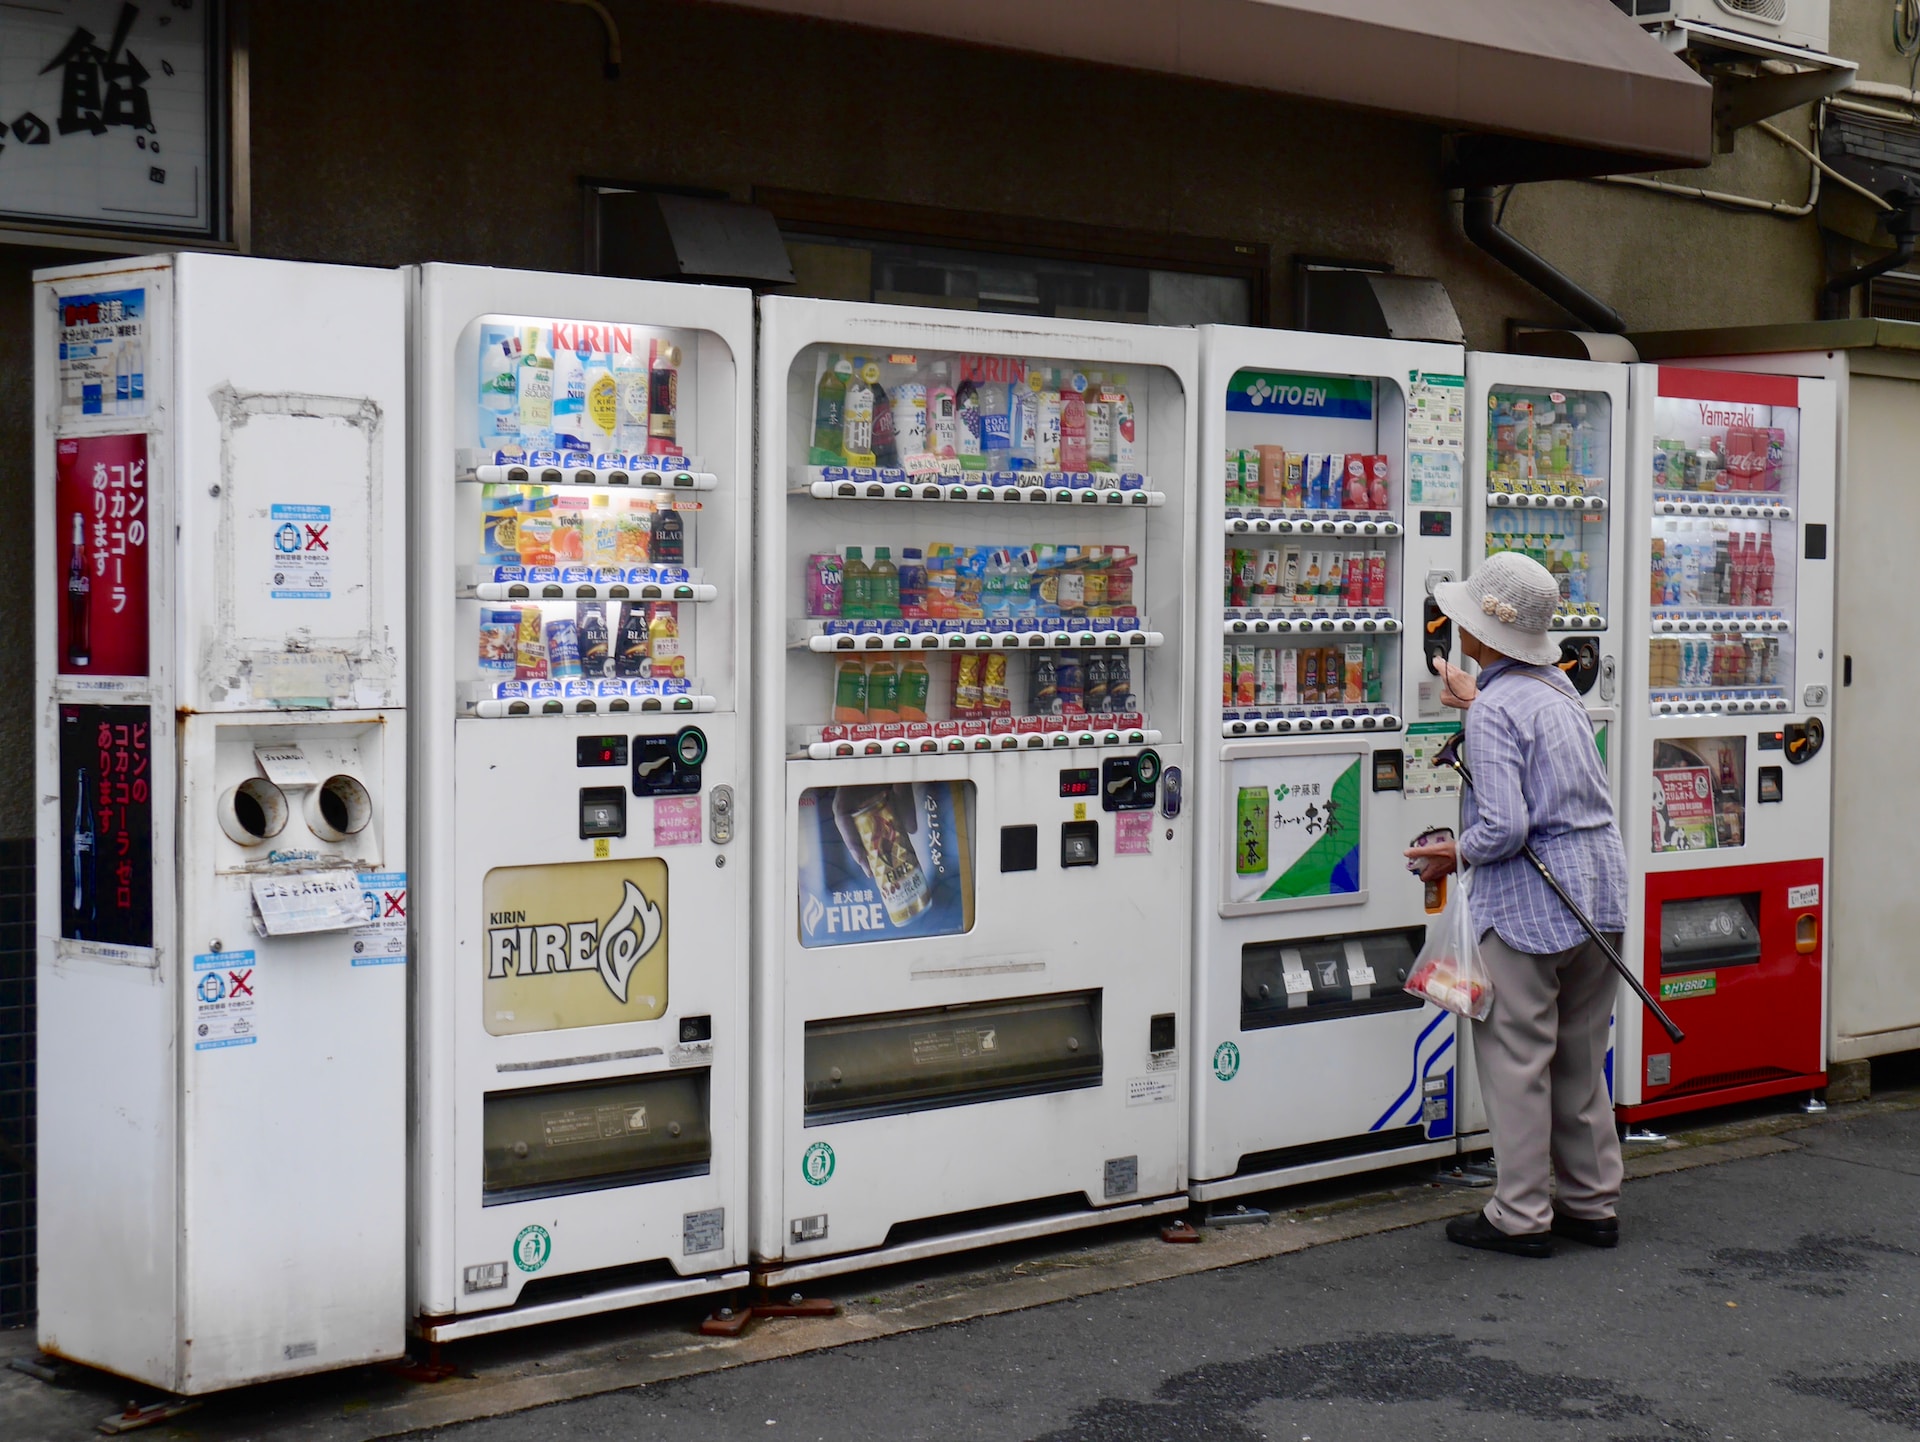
[1449, 972]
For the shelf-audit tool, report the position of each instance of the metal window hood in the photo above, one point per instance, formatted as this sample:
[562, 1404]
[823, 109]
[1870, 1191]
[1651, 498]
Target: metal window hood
[1575, 75]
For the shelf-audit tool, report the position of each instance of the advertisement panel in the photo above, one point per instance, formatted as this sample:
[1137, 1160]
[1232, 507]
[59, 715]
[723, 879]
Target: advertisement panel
[1295, 830]
[101, 524]
[106, 831]
[578, 943]
[882, 862]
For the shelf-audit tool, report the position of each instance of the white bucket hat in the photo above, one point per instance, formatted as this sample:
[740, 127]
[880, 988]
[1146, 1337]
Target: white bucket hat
[1508, 604]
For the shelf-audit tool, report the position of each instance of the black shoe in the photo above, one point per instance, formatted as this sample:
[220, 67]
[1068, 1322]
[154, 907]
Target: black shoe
[1588, 1231]
[1477, 1231]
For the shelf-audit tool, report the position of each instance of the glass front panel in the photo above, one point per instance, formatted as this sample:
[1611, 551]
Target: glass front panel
[1014, 610]
[1311, 569]
[581, 539]
[1549, 464]
[1723, 546]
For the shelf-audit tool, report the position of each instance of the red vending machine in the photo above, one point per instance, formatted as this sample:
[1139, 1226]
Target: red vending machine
[1728, 700]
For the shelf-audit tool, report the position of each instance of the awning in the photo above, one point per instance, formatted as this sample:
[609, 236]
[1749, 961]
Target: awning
[1578, 75]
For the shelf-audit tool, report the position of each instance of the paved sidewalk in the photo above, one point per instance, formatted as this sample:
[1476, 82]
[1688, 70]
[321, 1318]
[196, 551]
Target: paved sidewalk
[1769, 1286]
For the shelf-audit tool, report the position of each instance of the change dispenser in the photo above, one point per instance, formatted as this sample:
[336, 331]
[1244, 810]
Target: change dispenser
[223, 892]
[580, 599]
[971, 919]
[1331, 499]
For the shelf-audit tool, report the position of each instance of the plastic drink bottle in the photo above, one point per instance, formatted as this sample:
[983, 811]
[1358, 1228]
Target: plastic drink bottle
[858, 425]
[856, 587]
[663, 641]
[663, 400]
[499, 402]
[910, 419]
[570, 401]
[883, 586]
[1073, 428]
[533, 381]
[1100, 429]
[883, 690]
[850, 691]
[885, 451]
[969, 436]
[915, 683]
[913, 583]
[829, 413]
[1763, 571]
[943, 417]
[993, 590]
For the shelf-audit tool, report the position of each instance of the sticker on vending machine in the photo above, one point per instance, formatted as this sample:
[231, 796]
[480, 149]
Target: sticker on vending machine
[381, 940]
[223, 998]
[879, 862]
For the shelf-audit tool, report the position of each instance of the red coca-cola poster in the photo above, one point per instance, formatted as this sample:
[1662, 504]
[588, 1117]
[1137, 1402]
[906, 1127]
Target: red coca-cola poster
[101, 519]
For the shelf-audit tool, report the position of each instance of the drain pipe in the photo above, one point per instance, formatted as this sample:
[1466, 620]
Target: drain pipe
[1477, 219]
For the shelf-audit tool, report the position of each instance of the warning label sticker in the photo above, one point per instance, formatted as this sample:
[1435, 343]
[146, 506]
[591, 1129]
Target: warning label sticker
[382, 939]
[223, 997]
[302, 560]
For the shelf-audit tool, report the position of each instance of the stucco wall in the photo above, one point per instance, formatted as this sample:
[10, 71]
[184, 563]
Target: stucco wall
[392, 131]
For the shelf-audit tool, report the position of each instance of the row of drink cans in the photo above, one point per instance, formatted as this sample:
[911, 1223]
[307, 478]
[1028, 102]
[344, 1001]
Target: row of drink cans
[586, 461]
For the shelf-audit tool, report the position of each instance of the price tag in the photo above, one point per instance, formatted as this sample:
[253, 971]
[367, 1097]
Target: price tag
[1297, 982]
[1361, 976]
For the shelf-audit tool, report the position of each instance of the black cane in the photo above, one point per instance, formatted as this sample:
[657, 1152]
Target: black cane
[1449, 755]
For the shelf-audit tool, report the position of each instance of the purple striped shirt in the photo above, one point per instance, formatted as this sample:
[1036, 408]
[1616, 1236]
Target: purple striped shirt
[1538, 780]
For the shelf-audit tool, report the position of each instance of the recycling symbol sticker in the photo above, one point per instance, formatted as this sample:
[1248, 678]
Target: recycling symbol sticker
[1226, 1061]
[532, 1248]
[816, 1164]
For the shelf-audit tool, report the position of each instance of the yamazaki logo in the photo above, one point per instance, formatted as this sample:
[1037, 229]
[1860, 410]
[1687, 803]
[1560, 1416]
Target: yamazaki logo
[1713, 415]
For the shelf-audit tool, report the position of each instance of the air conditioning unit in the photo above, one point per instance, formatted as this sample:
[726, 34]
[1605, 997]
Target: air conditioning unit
[1801, 24]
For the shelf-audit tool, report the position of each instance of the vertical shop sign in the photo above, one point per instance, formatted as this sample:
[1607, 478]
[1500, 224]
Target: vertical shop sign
[106, 831]
[101, 521]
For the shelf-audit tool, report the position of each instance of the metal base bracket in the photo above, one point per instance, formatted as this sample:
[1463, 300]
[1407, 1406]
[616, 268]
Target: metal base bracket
[1642, 1137]
[135, 1416]
[734, 1321]
[1813, 1105]
[1180, 1231]
[1237, 1216]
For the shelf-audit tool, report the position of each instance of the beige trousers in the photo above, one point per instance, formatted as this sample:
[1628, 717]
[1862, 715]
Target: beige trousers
[1541, 1055]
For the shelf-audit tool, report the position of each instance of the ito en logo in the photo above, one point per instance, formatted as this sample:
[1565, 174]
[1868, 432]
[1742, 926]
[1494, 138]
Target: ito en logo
[1226, 1061]
[532, 1248]
[816, 1164]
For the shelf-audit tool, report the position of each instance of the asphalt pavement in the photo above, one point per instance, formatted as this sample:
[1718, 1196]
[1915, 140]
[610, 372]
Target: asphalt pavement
[1776, 1297]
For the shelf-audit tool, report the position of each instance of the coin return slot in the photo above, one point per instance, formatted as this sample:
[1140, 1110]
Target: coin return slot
[603, 811]
[254, 811]
[339, 807]
[1079, 843]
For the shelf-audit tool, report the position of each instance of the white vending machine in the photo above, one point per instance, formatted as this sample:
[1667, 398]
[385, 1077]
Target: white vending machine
[1727, 772]
[219, 548]
[1331, 495]
[971, 933]
[1546, 457]
[580, 604]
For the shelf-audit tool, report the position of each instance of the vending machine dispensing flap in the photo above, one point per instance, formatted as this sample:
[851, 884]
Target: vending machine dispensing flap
[1709, 931]
[870, 1066]
[581, 1137]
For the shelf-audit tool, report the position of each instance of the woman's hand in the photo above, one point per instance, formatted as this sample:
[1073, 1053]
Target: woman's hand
[1437, 859]
[1458, 688]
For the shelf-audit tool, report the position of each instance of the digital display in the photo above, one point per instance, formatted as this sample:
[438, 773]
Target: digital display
[600, 751]
[1082, 781]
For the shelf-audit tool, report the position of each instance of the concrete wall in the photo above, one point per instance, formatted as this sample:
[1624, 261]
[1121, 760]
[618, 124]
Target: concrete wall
[391, 131]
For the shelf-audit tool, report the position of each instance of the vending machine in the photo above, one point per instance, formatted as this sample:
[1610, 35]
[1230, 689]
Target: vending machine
[219, 560]
[971, 935]
[580, 602]
[1332, 497]
[1546, 451]
[1728, 697]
